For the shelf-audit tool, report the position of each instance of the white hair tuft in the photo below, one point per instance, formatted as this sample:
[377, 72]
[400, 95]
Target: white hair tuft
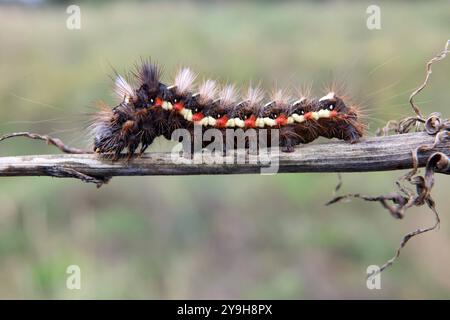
[280, 97]
[184, 80]
[122, 88]
[254, 96]
[228, 95]
[207, 90]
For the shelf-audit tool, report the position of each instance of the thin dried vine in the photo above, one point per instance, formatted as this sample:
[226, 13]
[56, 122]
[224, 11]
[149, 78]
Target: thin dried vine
[398, 202]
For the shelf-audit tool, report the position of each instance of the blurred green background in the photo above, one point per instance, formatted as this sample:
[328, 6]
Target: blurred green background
[245, 236]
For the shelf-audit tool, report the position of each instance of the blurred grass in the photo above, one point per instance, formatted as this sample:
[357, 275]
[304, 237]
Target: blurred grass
[214, 237]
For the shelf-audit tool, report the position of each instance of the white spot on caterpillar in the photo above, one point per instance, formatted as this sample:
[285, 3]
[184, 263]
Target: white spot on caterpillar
[167, 105]
[290, 120]
[315, 115]
[298, 118]
[324, 113]
[270, 122]
[231, 123]
[260, 122]
[211, 121]
[239, 123]
[329, 96]
[188, 115]
[203, 122]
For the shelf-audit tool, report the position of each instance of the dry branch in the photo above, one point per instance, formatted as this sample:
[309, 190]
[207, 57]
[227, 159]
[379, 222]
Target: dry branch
[372, 154]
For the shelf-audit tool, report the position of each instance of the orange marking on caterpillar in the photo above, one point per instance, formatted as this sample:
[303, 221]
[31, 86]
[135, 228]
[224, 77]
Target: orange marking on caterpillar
[308, 116]
[158, 102]
[197, 116]
[281, 120]
[178, 106]
[250, 122]
[222, 122]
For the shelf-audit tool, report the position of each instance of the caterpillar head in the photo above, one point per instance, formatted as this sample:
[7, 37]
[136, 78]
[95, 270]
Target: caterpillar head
[349, 128]
[332, 103]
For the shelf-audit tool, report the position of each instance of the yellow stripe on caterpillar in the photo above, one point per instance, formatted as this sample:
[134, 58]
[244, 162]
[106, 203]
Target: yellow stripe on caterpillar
[315, 115]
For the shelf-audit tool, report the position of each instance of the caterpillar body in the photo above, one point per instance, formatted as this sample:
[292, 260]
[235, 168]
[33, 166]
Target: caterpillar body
[152, 108]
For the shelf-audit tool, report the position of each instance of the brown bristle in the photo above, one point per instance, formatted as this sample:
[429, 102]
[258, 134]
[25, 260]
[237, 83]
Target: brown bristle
[148, 73]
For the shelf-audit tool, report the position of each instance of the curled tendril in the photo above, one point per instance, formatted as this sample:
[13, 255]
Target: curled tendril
[405, 197]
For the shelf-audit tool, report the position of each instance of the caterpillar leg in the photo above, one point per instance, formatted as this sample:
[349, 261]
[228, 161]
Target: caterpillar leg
[352, 134]
[148, 135]
[287, 145]
[288, 139]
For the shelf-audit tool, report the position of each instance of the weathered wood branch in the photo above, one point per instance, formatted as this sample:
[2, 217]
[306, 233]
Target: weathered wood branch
[371, 154]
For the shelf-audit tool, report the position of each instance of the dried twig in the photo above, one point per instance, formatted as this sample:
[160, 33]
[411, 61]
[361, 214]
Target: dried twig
[53, 141]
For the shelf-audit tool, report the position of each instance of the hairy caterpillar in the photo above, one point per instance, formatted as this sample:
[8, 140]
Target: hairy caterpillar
[153, 109]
